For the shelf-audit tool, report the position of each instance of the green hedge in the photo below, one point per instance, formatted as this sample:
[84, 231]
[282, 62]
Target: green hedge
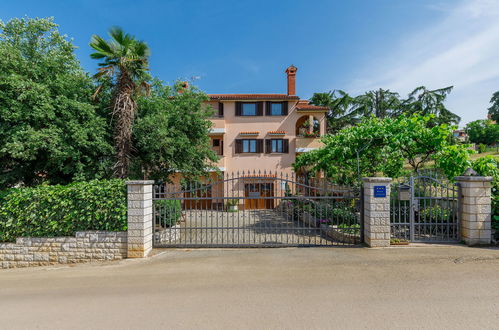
[48, 211]
[167, 212]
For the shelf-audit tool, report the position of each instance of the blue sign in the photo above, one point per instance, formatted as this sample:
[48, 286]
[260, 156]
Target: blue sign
[379, 191]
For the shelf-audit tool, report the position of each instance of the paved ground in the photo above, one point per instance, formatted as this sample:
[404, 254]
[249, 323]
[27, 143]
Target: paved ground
[246, 227]
[307, 288]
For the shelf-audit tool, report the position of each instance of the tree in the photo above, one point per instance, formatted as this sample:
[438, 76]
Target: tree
[425, 102]
[381, 103]
[171, 134]
[125, 61]
[49, 129]
[483, 132]
[494, 109]
[340, 106]
[378, 146]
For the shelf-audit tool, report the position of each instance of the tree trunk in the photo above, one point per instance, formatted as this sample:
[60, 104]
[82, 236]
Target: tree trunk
[124, 111]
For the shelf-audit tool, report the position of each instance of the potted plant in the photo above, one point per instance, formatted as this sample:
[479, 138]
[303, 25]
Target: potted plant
[232, 205]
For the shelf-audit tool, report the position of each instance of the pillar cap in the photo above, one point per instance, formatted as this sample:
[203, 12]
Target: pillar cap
[474, 178]
[377, 179]
[139, 182]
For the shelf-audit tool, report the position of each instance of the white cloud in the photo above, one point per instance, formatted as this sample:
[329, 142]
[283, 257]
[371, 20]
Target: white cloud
[460, 50]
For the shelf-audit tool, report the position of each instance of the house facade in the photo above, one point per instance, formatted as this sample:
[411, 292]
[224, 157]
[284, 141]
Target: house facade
[264, 132]
[257, 138]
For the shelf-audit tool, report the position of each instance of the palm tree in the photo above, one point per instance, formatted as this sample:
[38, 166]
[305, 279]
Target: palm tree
[340, 107]
[125, 62]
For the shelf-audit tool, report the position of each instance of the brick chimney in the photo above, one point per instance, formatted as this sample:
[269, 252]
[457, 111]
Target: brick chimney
[291, 72]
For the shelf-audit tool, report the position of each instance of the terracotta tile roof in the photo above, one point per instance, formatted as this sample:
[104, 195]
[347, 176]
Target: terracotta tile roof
[252, 97]
[249, 133]
[277, 132]
[256, 175]
[305, 105]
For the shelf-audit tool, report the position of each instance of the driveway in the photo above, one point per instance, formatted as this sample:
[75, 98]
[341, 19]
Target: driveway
[307, 288]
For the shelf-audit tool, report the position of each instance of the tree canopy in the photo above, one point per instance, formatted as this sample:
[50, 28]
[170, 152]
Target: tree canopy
[171, 133]
[346, 110]
[483, 132]
[49, 129]
[494, 108]
[380, 146]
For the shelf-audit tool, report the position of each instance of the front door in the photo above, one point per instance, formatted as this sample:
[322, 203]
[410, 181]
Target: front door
[255, 193]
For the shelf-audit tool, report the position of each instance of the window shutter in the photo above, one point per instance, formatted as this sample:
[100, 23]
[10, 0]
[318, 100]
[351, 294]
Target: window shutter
[268, 146]
[259, 145]
[238, 109]
[285, 108]
[285, 146]
[239, 146]
[259, 110]
[221, 147]
[268, 106]
[220, 109]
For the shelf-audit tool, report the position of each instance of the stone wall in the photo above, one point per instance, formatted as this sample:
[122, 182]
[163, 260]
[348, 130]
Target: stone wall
[84, 247]
[376, 213]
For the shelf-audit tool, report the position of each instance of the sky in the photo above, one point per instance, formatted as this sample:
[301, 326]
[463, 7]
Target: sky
[229, 46]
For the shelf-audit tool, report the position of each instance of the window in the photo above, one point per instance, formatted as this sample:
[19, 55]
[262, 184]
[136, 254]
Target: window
[216, 142]
[278, 146]
[220, 109]
[249, 108]
[249, 146]
[276, 109]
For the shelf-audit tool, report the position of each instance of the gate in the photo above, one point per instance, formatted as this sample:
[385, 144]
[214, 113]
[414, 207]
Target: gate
[424, 208]
[255, 210]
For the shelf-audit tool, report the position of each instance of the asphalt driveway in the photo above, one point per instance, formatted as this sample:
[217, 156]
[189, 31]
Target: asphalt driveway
[300, 288]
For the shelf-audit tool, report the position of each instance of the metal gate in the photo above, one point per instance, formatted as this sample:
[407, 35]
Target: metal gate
[424, 209]
[255, 210]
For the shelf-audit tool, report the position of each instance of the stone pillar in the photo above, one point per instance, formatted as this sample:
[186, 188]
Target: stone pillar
[377, 211]
[475, 209]
[140, 227]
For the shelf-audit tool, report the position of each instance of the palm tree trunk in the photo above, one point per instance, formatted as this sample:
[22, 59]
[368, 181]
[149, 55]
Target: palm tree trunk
[124, 108]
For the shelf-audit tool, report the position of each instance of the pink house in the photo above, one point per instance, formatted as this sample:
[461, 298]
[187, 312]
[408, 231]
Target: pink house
[265, 131]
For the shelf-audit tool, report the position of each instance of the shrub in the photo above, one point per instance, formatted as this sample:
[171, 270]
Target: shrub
[482, 148]
[489, 166]
[48, 211]
[435, 214]
[167, 212]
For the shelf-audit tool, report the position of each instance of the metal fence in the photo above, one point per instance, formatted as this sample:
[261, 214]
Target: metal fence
[255, 209]
[424, 208]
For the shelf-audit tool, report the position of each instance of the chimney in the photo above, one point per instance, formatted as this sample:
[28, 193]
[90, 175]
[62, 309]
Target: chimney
[291, 72]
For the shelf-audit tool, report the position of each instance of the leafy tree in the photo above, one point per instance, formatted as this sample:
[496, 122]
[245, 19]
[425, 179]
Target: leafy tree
[171, 133]
[483, 131]
[378, 146]
[494, 109]
[125, 61]
[340, 107]
[425, 102]
[381, 103]
[49, 130]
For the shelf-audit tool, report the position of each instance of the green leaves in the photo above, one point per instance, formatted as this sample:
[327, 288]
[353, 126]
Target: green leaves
[483, 131]
[62, 210]
[49, 129]
[382, 146]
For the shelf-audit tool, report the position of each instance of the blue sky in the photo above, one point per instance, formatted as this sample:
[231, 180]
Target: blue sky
[245, 46]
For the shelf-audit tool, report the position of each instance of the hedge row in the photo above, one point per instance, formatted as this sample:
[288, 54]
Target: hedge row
[48, 211]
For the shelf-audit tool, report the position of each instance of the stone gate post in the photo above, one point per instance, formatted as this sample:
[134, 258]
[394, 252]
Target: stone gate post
[140, 227]
[377, 211]
[475, 208]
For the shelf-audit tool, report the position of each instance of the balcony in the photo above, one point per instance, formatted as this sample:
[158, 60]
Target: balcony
[304, 144]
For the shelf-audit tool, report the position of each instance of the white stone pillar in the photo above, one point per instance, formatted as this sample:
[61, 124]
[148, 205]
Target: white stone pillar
[140, 227]
[377, 211]
[475, 209]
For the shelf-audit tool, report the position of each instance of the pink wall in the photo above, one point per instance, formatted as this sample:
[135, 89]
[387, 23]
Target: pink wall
[263, 124]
